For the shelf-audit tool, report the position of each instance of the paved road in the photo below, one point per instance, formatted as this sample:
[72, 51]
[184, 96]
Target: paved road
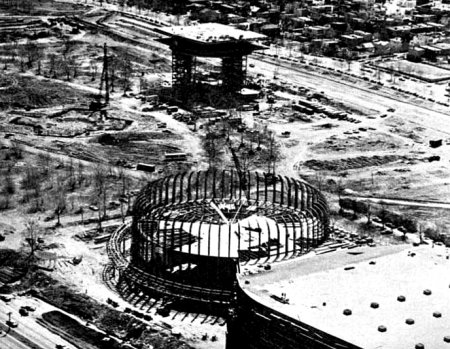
[8, 341]
[402, 202]
[29, 334]
[356, 95]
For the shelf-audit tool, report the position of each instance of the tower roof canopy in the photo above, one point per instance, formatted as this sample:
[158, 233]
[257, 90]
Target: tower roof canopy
[211, 40]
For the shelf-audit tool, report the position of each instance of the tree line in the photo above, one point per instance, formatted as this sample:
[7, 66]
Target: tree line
[66, 63]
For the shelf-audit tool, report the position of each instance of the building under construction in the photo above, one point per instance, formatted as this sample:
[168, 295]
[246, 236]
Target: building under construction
[209, 40]
[191, 230]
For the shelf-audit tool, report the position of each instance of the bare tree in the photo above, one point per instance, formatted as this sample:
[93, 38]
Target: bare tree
[383, 213]
[124, 192]
[31, 183]
[16, 150]
[94, 69]
[319, 180]
[71, 178]
[8, 48]
[11, 49]
[368, 211]
[33, 53]
[126, 71]
[74, 64]
[8, 189]
[22, 54]
[60, 202]
[212, 144]
[101, 187]
[113, 66]
[65, 67]
[9, 186]
[68, 47]
[32, 230]
[52, 62]
[80, 173]
[273, 153]
[44, 163]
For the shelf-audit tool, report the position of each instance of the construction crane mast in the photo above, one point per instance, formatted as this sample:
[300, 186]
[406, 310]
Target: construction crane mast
[97, 105]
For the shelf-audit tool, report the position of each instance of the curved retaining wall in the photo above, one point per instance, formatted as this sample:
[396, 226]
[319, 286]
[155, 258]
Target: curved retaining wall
[253, 325]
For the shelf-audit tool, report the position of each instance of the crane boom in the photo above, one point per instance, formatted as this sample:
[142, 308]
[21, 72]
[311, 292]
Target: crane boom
[241, 174]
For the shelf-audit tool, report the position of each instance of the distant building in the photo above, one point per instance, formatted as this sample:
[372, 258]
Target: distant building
[351, 40]
[415, 54]
[316, 32]
[271, 30]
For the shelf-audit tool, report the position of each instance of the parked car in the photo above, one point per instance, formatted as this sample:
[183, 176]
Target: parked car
[23, 311]
[29, 308]
[5, 298]
[12, 323]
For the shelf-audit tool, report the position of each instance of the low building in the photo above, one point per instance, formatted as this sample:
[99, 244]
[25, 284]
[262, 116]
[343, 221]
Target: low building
[351, 40]
[271, 30]
[366, 35]
[316, 32]
[431, 52]
[415, 54]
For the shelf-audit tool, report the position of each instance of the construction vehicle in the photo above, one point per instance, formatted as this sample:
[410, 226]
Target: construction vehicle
[10, 322]
[77, 260]
[29, 308]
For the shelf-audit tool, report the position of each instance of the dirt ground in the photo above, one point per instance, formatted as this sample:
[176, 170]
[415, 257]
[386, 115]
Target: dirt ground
[378, 153]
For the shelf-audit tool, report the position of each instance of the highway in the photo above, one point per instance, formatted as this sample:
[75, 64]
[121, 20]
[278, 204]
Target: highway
[29, 334]
[359, 96]
[8, 341]
[401, 202]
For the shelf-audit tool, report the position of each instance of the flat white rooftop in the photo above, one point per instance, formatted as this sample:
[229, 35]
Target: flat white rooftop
[212, 32]
[320, 288]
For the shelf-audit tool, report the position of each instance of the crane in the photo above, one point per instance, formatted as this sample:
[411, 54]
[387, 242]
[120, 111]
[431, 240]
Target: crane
[97, 105]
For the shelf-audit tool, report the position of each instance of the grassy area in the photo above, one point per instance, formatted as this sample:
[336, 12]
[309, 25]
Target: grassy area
[74, 332]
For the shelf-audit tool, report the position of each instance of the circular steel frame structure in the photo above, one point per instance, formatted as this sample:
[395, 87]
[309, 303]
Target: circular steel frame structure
[191, 231]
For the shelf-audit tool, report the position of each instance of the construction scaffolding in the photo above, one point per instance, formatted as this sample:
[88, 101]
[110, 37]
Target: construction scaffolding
[234, 71]
[183, 66]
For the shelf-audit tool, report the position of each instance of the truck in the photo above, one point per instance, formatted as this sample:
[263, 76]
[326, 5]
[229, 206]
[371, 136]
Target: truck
[172, 109]
[175, 157]
[145, 167]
